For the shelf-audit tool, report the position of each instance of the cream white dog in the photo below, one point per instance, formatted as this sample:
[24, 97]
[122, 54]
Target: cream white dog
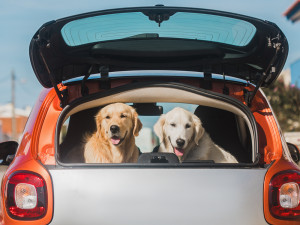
[182, 133]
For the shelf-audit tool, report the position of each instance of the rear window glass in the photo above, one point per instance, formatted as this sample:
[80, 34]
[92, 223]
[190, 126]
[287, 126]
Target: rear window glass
[183, 25]
[227, 130]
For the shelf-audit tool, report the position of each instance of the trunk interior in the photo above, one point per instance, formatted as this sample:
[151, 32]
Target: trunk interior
[229, 123]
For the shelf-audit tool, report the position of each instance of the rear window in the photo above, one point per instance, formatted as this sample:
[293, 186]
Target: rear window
[182, 25]
[227, 130]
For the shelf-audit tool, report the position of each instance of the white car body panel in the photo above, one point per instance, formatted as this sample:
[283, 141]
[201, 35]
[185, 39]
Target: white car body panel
[158, 196]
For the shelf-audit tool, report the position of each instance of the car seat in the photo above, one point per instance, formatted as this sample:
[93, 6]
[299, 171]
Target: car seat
[224, 129]
[80, 124]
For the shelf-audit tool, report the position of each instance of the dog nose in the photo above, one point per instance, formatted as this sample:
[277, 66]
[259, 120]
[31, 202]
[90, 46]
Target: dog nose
[114, 129]
[180, 142]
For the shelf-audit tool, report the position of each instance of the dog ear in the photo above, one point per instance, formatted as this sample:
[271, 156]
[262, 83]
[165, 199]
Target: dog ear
[98, 119]
[137, 124]
[199, 130]
[159, 128]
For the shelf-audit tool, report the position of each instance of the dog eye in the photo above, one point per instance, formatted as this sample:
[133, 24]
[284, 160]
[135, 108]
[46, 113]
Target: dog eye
[123, 116]
[107, 117]
[173, 124]
[187, 126]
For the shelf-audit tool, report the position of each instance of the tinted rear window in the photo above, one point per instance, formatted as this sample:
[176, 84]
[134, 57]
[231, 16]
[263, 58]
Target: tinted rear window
[182, 25]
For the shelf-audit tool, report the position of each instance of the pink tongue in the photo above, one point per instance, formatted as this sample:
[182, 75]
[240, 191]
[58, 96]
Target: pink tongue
[179, 151]
[115, 141]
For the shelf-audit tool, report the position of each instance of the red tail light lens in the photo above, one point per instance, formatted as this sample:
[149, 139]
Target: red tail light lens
[284, 195]
[26, 196]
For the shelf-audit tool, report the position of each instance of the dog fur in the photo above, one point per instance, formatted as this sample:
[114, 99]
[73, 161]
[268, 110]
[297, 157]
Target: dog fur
[182, 133]
[114, 140]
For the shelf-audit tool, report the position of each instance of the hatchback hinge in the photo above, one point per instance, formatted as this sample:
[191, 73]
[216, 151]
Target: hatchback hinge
[207, 83]
[271, 43]
[62, 95]
[249, 95]
[105, 82]
[43, 41]
[225, 88]
[84, 88]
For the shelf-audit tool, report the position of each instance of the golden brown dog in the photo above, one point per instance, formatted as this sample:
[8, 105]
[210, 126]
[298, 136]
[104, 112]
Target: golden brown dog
[114, 139]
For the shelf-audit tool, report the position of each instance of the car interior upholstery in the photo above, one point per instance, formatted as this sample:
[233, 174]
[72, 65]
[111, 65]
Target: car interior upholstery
[226, 131]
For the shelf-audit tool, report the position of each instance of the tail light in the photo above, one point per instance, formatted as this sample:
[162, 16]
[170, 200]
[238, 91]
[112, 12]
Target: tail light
[26, 196]
[284, 195]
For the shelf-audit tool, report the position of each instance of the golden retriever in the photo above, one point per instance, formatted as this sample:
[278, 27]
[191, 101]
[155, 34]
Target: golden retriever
[182, 133]
[114, 140]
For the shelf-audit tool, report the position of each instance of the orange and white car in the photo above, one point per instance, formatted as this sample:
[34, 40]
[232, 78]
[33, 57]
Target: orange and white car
[211, 63]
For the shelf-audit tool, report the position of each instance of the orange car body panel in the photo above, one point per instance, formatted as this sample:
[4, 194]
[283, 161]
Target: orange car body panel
[277, 166]
[25, 159]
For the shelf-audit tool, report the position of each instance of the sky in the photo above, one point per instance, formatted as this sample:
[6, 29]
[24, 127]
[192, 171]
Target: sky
[19, 20]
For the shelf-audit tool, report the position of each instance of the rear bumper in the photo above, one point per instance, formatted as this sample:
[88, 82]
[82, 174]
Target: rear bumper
[158, 196]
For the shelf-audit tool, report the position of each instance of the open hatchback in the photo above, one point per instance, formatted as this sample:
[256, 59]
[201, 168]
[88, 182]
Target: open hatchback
[154, 59]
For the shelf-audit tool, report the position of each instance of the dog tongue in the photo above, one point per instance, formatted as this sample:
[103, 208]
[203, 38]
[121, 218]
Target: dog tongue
[179, 151]
[115, 140]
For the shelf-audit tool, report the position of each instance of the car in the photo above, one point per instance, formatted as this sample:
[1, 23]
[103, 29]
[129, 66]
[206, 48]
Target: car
[295, 152]
[211, 63]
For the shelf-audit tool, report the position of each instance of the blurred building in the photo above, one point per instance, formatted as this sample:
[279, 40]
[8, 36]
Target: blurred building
[293, 14]
[285, 77]
[6, 121]
[293, 137]
[295, 71]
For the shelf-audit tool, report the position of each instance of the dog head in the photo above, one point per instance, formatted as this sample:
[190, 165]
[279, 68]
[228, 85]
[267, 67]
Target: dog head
[117, 122]
[178, 129]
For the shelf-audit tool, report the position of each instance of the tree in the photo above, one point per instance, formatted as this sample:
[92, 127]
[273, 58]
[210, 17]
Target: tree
[285, 102]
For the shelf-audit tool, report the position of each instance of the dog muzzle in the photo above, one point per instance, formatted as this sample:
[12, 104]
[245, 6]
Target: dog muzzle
[177, 151]
[115, 140]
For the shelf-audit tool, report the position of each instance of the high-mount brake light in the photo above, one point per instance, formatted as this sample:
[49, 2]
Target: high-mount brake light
[26, 196]
[284, 195]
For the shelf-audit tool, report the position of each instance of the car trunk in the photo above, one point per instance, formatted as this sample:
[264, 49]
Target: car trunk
[113, 195]
[229, 123]
[157, 193]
